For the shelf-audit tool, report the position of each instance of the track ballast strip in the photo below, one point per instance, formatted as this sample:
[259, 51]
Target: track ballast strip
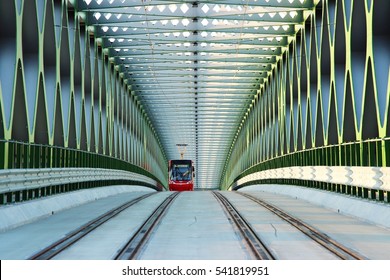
[253, 241]
[320, 237]
[57, 247]
[138, 240]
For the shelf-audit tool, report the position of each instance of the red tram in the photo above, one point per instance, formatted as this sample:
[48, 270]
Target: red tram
[181, 175]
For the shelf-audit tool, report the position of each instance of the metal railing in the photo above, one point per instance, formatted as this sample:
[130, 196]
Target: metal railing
[30, 170]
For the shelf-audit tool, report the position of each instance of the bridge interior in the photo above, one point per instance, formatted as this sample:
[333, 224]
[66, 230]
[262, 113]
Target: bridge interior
[98, 93]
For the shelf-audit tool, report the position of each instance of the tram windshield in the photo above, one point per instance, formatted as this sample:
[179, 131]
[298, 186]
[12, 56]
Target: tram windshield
[181, 171]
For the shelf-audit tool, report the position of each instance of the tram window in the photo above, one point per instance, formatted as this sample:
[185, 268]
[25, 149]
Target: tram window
[181, 172]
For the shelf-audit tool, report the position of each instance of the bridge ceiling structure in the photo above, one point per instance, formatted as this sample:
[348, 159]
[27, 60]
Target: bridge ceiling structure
[195, 66]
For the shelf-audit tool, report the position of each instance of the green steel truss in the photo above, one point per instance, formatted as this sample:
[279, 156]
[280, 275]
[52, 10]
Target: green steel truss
[63, 103]
[250, 86]
[327, 100]
[195, 66]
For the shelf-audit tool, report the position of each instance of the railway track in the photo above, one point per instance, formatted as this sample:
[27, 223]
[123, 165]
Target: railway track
[321, 238]
[253, 242]
[57, 247]
[135, 244]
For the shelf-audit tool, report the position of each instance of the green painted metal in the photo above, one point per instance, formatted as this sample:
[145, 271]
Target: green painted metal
[248, 85]
[184, 60]
[327, 101]
[64, 104]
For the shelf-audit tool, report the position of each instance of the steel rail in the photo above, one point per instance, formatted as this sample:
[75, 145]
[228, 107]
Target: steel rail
[318, 236]
[257, 247]
[133, 247]
[60, 245]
